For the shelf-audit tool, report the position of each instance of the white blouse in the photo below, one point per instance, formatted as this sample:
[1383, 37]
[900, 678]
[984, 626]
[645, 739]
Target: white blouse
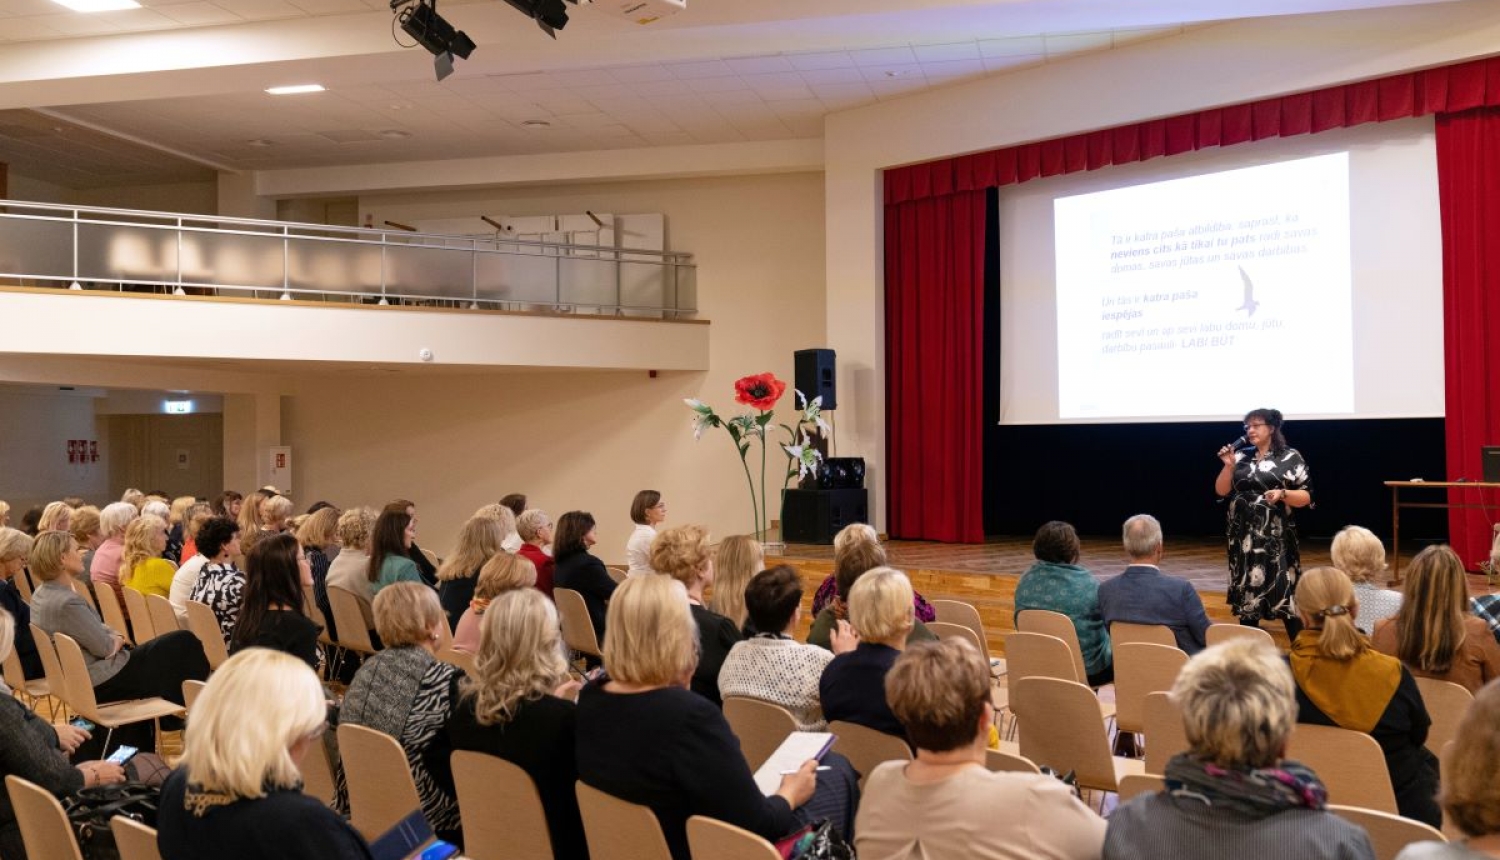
[781, 671]
[638, 549]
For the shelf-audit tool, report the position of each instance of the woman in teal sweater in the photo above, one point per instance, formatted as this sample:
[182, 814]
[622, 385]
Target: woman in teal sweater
[389, 545]
[1058, 583]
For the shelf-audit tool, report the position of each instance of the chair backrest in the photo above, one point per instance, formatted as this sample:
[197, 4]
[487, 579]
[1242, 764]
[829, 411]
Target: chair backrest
[577, 627]
[1388, 833]
[865, 748]
[617, 573]
[317, 774]
[51, 667]
[1351, 764]
[618, 829]
[45, 830]
[1005, 762]
[22, 582]
[190, 691]
[142, 628]
[501, 809]
[1053, 624]
[432, 557]
[381, 788]
[14, 673]
[1135, 784]
[135, 840]
[462, 659]
[946, 630]
[1061, 727]
[760, 726]
[1142, 668]
[349, 618]
[163, 616]
[959, 612]
[1224, 632]
[1122, 632]
[205, 626]
[1446, 704]
[1039, 655]
[78, 690]
[81, 588]
[314, 613]
[110, 611]
[711, 839]
[1165, 737]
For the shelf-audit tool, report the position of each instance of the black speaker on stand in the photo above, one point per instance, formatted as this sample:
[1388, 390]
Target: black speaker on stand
[815, 516]
[815, 376]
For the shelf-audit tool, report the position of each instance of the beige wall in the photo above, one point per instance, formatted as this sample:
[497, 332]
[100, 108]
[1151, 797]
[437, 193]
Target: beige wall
[181, 454]
[34, 466]
[193, 197]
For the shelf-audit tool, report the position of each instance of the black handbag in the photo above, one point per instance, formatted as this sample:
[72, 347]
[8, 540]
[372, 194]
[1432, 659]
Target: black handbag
[90, 811]
[819, 841]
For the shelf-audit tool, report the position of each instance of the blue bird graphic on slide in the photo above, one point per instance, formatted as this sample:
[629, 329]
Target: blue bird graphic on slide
[1250, 303]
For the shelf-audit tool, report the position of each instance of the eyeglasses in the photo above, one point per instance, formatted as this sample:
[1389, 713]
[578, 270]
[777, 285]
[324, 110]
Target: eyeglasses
[1254, 426]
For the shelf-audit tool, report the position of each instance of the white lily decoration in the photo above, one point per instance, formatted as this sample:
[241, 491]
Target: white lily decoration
[805, 456]
[703, 417]
[812, 413]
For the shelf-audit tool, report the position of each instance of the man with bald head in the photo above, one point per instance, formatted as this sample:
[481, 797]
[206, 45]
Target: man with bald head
[1145, 595]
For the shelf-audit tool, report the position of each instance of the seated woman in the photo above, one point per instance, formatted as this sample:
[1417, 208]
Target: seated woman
[104, 569]
[154, 668]
[478, 541]
[1471, 786]
[644, 737]
[944, 803]
[219, 583]
[1433, 634]
[141, 565]
[772, 666]
[319, 536]
[577, 569]
[682, 553]
[647, 511]
[85, 528]
[1232, 790]
[405, 692]
[15, 547]
[520, 708]
[237, 791]
[1342, 681]
[38, 752]
[848, 566]
[1361, 556]
[853, 686]
[828, 592]
[278, 576]
[503, 572]
[350, 570]
[390, 548]
[739, 558]
[534, 529]
[1058, 583]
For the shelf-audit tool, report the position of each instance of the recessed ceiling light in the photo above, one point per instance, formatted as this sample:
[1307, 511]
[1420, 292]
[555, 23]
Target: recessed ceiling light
[99, 5]
[536, 123]
[295, 89]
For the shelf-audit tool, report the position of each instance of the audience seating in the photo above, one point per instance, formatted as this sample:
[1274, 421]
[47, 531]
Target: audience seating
[142, 628]
[205, 626]
[947, 630]
[1061, 727]
[1122, 632]
[711, 839]
[1445, 760]
[1054, 624]
[867, 748]
[959, 612]
[113, 615]
[31, 692]
[1002, 761]
[135, 840]
[163, 616]
[577, 628]
[760, 726]
[317, 773]
[45, 830]
[1137, 784]
[462, 659]
[352, 618]
[1142, 668]
[500, 807]
[1045, 656]
[1446, 703]
[617, 573]
[1165, 736]
[1224, 632]
[51, 668]
[22, 582]
[1350, 764]
[78, 692]
[1389, 833]
[618, 829]
[82, 589]
[381, 788]
[190, 691]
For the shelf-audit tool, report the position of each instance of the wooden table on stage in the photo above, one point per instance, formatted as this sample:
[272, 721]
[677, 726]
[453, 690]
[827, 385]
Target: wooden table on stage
[1397, 505]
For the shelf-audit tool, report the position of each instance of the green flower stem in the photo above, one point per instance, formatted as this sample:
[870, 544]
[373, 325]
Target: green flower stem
[764, 523]
[754, 513]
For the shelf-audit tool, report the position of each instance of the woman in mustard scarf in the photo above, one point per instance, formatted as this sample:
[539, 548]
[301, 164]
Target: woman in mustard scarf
[1342, 681]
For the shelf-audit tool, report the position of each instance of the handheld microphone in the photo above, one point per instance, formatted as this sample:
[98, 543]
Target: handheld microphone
[1238, 444]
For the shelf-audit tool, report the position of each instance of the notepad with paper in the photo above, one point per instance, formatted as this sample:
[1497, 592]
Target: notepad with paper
[796, 749]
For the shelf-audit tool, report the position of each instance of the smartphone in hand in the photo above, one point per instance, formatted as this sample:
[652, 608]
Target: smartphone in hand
[122, 755]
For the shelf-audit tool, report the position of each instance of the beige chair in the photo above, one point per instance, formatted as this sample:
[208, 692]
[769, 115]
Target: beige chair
[760, 726]
[1142, 668]
[618, 829]
[78, 692]
[32, 691]
[959, 612]
[1446, 704]
[1137, 784]
[1388, 833]
[577, 627]
[51, 668]
[866, 748]
[945, 630]
[317, 773]
[1061, 727]
[462, 659]
[710, 839]
[205, 626]
[142, 626]
[1006, 762]
[135, 840]
[1445, 765]
[617, 573]
[381, 788]
[1350, 764]
[44, 826]
[501, 809]
[22, 582]
[1053, 624]
[1040, 655]
[110, 611]
[1122, 632]
[81, 588]
[1224, 632]
[1165, 736]
[190, 691]
[353, 618]
[163, 616]
[432, 558]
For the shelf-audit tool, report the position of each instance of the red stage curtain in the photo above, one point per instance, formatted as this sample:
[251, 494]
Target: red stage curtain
[934, 336]
[1468, 152]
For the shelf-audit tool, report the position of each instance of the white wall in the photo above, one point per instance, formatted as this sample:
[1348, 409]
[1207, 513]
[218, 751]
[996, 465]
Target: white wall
[194, 197]
[34, 466]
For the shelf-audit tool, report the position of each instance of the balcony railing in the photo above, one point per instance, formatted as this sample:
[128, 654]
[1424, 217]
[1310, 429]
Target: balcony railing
[136, 251]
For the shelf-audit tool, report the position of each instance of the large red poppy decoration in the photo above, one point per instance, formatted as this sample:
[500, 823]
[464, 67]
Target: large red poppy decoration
[760, 391]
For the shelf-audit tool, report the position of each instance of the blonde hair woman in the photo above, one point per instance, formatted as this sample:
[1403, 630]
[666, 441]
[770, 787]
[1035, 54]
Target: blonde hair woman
[1471, 785]
[739, 558]
[56, 517]
[1342, 681]
[503, 572]
[644, 737]
[683, 554]
[1361, 556]
[828, 591]
[1434, 635]
[251, 520]
[240, 781]
[15, 548]
[1239, 708]
[141, 565]
[478, 541]
[534, 528]
[177, 527]
[520, 708]
[853, 686]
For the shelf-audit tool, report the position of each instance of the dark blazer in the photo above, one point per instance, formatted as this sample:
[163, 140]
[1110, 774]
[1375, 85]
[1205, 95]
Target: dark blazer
[852, 688]
[10, 599]
[1145, 595]
[586, 575]
[283, 825]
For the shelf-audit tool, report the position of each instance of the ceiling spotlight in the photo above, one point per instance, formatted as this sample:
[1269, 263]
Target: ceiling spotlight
[550, 15]
[421, 21]
[295, 89]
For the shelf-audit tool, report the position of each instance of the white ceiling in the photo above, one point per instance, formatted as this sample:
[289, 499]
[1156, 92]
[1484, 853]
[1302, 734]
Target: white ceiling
[177, 86]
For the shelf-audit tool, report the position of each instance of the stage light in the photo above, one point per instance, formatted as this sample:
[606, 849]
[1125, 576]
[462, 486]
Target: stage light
[550, 15]
[422, 22]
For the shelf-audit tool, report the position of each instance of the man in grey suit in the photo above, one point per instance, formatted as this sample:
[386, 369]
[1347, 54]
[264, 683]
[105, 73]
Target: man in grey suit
[1145, 595]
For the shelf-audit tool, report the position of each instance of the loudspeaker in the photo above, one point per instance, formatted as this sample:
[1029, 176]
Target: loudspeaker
[843, 473]
[1490, 456]
[815, 376]
[815, 516]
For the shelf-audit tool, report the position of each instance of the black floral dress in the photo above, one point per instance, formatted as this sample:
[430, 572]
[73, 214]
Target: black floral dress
[1264, 562]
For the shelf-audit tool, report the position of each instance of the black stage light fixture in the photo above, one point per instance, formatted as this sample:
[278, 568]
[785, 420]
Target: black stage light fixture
[422, 22]
[550, 15]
